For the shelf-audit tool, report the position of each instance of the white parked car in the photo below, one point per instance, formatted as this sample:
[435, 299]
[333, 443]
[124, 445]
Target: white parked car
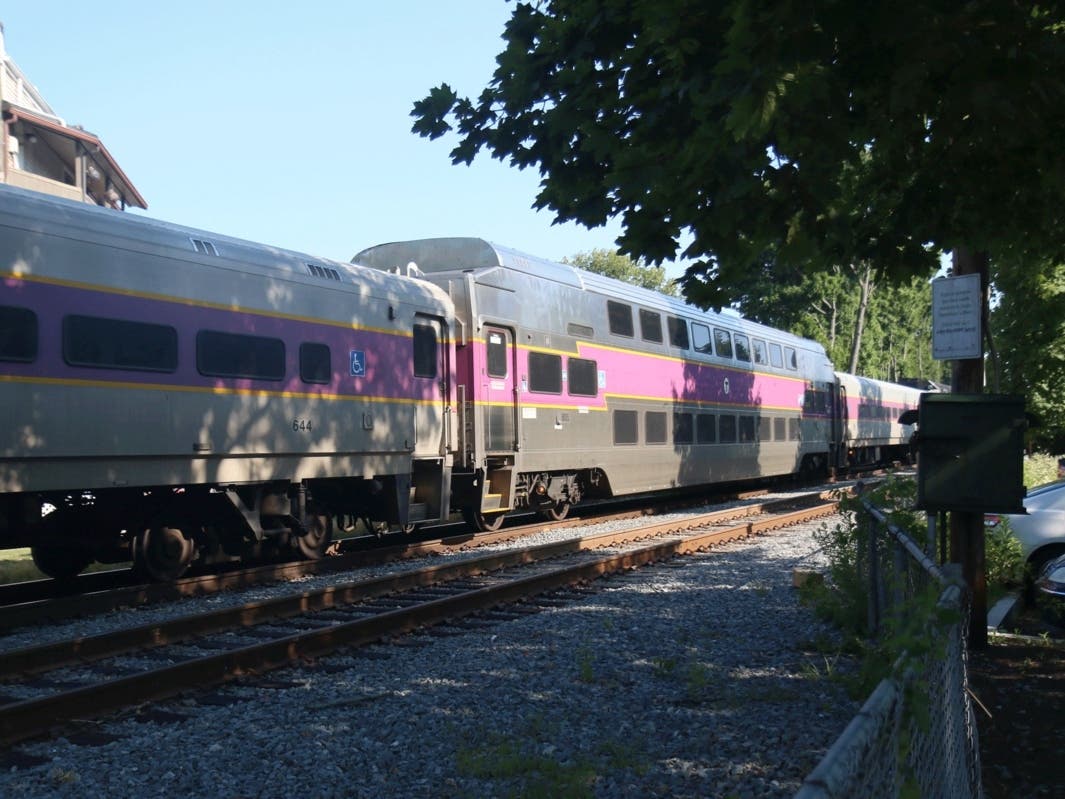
[1041, 530]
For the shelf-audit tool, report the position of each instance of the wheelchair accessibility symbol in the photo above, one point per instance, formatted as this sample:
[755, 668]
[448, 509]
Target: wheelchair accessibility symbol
[358, 363]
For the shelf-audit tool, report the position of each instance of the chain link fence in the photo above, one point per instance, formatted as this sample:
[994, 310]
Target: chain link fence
[916, 734]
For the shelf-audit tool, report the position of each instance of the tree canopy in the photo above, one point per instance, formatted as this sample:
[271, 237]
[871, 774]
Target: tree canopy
[801, 135]
[622, 267]
[1029, 334]
[867, 326]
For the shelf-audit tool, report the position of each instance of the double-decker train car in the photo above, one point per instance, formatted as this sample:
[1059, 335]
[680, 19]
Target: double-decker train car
[181, 395]
[572, 385]
[171, 395]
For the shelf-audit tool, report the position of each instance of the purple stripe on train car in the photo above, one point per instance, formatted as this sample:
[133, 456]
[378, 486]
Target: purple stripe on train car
[853, 403]
[387, 357]
[635, 374]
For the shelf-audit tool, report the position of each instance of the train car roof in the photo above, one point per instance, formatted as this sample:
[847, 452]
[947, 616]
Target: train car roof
[468, 254]
[44, 213]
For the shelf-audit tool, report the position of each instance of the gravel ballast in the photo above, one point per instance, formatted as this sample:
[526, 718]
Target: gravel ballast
[700, 677]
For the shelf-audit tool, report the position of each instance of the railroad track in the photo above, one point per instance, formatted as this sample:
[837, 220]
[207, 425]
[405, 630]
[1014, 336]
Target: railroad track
[41, 601]
[55, 685]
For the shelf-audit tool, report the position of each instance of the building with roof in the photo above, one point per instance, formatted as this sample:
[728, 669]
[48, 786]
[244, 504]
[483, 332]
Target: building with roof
[43, 153]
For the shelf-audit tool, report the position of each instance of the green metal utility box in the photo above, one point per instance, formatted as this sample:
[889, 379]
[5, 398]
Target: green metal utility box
[970, 453]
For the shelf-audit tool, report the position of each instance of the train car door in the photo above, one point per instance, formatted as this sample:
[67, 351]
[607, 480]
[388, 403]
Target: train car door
[431, 387]
[498, 389]
[840, 424]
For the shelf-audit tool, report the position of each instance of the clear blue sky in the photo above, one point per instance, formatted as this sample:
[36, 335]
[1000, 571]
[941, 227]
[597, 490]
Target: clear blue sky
[289, 123]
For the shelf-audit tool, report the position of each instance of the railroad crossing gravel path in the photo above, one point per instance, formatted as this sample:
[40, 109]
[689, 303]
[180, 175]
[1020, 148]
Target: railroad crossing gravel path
[694, 678]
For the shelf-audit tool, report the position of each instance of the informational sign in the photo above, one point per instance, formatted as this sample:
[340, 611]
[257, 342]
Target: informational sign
[956, 306]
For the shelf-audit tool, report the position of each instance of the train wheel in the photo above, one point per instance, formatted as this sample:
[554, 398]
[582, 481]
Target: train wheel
[316, 537]
[163, 553]
[59, 563]
[556, 512]
[483, 522]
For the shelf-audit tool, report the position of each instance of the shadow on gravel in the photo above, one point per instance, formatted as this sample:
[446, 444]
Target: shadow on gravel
[1019, 681]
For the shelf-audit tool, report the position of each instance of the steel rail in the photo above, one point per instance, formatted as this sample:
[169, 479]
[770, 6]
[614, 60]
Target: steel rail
[99, 600]
[49, 657]
[32, 717]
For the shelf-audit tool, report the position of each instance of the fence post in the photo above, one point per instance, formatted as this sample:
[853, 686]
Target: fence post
[874, 576]
[900, 579]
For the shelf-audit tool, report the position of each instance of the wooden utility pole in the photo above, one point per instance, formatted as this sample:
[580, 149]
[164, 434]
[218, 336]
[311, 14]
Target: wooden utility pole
[967, 528]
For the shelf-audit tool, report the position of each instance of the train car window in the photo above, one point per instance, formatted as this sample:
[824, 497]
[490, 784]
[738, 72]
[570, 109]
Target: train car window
[238, 355]
[705, 428]
[727, 429]
[776, 358]
[765, 428]
[625, 427]
[722, 343]
[683, 428]
[759, 350]
[654, 427]
[18, 334]
[780, 429]
[701, 337]
[620, 316]
[545, 373]
[425, 356]
[743, 348]
[815, 400]
[794, 430]
[119, 344]
[497, 354]
[315, 363]
[678, 332]
[583, 377]
[746, 429]
[580, 331]
[791, 359]
[650, 326]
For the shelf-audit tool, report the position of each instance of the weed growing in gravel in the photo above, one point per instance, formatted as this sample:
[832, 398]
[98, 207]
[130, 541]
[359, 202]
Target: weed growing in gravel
[63, 776]
[585, 665]
[539, 774]
[664, 667]
[696, 679]
[812, 671]
[527, 764]
[905, 638]
[623, 755]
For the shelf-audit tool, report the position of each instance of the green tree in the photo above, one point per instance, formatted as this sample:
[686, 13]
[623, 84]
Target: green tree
[826, 133]
[614, 264]
[896, 329]
[1028, 326]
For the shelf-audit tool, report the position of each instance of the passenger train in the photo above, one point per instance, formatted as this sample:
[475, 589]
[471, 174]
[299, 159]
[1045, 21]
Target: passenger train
[170, 395]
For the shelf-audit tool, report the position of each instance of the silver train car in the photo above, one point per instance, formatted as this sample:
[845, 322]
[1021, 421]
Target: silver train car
[570, 385]
[181, 395]
[173, 396]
